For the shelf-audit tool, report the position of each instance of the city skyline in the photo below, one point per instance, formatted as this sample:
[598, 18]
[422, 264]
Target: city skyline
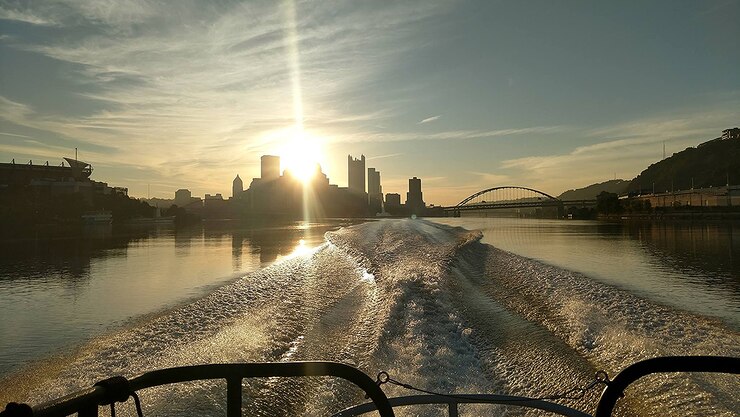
[457, 93]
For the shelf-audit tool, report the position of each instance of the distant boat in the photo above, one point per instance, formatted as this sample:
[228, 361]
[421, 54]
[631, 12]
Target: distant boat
[97, 217]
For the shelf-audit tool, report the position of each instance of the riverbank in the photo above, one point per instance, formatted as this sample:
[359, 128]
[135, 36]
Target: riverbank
[675, 215]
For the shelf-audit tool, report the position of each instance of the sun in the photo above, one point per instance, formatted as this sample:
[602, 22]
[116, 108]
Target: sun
[301, 155]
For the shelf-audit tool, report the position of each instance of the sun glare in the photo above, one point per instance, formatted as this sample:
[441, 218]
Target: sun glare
[300, 156]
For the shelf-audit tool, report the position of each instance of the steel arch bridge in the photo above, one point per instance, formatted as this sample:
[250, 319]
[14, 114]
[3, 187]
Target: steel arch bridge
[505, 197]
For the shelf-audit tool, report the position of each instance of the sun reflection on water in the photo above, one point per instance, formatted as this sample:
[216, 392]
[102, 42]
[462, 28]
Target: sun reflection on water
[302, 249]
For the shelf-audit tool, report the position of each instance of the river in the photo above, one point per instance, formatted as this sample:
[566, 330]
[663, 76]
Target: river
[471, 305]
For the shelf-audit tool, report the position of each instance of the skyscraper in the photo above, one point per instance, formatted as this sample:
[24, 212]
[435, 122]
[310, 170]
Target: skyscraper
[182, 197]
[270, 165]
[237, 187]
[356, 174]
[374, 191]
[393, 199]
[414, 200]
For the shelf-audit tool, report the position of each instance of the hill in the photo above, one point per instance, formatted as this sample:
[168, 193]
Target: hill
[590, 192]
[709, 164]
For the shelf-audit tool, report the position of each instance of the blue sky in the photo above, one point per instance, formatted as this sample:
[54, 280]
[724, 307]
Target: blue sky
[464, 94]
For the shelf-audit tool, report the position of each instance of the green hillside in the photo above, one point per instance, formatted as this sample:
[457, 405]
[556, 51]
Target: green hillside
[709, 164]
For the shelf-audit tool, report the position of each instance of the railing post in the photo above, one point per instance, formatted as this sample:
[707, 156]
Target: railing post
[233, 397]
[90, 410]
[453, 409]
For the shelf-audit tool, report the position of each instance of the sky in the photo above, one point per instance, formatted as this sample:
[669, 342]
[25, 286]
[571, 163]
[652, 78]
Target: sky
[466, 95]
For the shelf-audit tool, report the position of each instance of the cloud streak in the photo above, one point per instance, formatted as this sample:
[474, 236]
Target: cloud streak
[370, 136]
[430, 119]
[184, 76]
[623, 149]
[171, 90]
[391, 155]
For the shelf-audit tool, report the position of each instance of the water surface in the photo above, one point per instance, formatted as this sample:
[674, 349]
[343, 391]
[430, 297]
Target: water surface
[691, 266]
[434, 305]
[59, 290]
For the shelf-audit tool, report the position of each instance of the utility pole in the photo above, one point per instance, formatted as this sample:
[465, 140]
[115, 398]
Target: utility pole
[663, 149]
[75, 154]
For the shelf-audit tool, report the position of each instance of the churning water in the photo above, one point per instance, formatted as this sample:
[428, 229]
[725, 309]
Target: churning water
[429, 303]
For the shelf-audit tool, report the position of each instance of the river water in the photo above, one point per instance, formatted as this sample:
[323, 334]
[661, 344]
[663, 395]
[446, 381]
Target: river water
[467, 305]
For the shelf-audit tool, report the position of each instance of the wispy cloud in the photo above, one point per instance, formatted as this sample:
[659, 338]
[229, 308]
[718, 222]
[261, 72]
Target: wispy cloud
[430, 119]
[383, 136]
[15, 135]
[184, 84]
[494, 180]
[624, 149]
[179, 86]
[34, 148]
[18, 15]
[390, 155]
[11, 110]
[107, 14]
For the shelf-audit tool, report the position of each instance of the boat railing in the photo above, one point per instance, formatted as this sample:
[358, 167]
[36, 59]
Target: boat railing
[86, 403]
[118, 389]
[612, 392]
[453, 403]
[668, 364]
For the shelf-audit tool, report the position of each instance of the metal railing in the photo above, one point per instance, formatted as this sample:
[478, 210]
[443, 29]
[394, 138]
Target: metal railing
[453, 403]
[613, 391]
[630, 374]
[86, 403]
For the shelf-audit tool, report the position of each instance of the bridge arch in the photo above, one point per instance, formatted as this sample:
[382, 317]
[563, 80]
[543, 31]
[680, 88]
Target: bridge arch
[479, 193]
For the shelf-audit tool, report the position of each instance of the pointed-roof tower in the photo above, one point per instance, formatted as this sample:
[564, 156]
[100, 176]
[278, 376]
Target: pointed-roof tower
[237, 188]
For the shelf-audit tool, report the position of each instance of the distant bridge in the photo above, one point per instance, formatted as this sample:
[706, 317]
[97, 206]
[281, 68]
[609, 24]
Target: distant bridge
[513, 197]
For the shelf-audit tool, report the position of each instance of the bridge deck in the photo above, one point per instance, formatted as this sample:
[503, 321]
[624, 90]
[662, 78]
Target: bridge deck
[522, 204]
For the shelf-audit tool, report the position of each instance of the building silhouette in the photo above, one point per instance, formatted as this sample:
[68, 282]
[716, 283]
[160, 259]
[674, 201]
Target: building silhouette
[393, 204]
[237, 187]
[356, 174]
[414, 199]
[374, 191]
[61, 194]
[278, 195]
[287, 196]
[215, 207]
[270, 167]
[182, 197]
[73, 178]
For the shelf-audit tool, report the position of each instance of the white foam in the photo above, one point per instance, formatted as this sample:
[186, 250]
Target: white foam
[427, 303]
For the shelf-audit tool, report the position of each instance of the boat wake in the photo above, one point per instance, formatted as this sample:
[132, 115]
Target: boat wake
[427, 303]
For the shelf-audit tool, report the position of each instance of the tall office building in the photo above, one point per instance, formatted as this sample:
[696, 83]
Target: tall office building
[356, 174]
[393, 199]
[374, 191]
[270, 165]
[414, 200]
[237, 187]
[182, 197]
